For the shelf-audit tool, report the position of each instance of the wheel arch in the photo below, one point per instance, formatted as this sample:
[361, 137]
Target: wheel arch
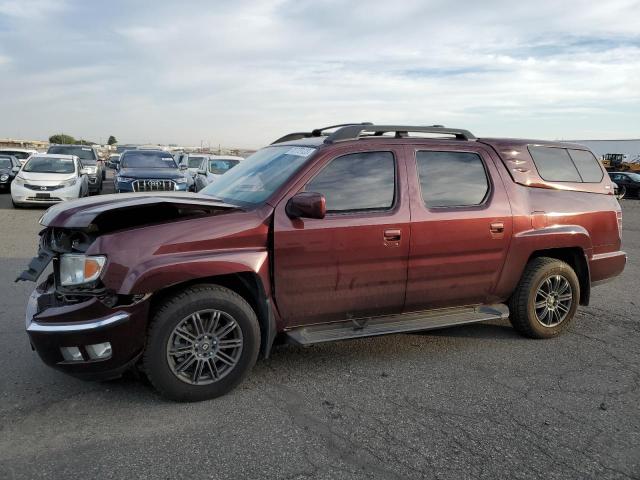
[577, 259]
[248, 285]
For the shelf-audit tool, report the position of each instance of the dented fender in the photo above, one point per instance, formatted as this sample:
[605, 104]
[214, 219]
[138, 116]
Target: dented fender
[165, 271]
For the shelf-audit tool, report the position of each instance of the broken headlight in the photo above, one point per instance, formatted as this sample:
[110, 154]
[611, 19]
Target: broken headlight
[76, 269]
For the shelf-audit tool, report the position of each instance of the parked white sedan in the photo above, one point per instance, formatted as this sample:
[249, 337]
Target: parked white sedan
[49, 178]
[214, 167]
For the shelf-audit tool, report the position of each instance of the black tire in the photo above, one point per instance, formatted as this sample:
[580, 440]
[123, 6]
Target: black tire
[175, 310]
[524, 315]
[622, 191]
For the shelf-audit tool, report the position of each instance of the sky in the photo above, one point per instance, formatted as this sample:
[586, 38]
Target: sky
[242, 73]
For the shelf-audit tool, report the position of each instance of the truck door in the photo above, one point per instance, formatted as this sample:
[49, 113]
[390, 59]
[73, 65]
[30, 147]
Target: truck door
[461, 226]
[352, 263]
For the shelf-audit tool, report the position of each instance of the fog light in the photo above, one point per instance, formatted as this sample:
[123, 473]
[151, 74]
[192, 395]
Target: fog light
[99, 351]
[71, 354]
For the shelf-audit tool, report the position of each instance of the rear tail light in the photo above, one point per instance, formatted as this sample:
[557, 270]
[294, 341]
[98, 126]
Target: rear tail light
[619, 217]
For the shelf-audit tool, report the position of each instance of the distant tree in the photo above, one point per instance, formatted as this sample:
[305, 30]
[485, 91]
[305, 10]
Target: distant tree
[85, 142]
[112, 140]
[61, 138]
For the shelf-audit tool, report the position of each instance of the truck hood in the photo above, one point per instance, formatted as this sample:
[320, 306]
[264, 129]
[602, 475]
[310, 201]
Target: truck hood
[106, 213]
[168, 173]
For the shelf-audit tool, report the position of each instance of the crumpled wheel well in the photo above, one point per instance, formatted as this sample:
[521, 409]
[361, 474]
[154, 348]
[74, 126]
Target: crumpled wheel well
[246, 284]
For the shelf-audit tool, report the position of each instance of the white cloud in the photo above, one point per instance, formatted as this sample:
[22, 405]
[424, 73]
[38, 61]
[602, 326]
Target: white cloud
[27, 9]
[244, 72]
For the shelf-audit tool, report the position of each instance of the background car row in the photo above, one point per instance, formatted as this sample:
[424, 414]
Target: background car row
[67, 172]
[157, 170]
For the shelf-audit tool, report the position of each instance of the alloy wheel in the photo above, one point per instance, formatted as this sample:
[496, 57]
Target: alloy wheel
[204, 347]
[553, 300]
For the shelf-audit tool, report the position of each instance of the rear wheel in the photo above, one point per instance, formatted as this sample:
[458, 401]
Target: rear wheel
[546, 298]
[202, 342]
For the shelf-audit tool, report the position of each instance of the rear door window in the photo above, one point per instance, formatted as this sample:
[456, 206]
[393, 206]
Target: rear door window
[357, 182]
[554, 164]
[452, 179]
[587, 164]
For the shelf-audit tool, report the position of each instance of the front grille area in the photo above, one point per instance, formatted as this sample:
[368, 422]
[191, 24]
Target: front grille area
[153, 185]
[44, 199]
[42, 188]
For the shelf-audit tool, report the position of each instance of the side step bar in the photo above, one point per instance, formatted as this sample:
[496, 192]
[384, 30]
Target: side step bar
[405, 322]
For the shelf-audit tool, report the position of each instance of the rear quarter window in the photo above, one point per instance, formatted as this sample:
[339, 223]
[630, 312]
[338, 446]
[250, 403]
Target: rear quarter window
[557, 164]
[554, 164]
[587, 164]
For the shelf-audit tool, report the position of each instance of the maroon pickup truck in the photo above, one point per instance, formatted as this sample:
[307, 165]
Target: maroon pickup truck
[344, 232]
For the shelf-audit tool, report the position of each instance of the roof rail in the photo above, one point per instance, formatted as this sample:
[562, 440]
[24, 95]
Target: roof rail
[316, 132]
[353, 132]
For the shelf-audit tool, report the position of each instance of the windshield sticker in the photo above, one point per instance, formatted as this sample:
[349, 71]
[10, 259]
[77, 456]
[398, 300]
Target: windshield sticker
[66, 160]
[86, 149]
[300, 151]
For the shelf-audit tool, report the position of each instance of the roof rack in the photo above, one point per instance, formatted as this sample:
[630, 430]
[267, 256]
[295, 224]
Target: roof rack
[353, 132]
[316, 132]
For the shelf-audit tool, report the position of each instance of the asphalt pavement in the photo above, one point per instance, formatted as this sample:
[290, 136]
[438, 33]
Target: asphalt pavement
[472, 402]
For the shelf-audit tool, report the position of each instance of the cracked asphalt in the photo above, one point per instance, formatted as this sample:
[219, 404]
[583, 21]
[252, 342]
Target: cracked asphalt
[472, 402]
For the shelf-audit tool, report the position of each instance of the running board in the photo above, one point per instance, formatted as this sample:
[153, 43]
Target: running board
[406, 322]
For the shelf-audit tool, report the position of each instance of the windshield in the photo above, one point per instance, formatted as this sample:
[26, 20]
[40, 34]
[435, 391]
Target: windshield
[49, 165]
[5, 162]
[86, 154]
[18, 155]
[142, 159]
[194, 162]
[256, 178]
[219, 167]
[634, 176]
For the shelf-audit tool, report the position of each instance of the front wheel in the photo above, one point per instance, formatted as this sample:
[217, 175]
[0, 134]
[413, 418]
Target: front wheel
[202, 342]
[546, 299]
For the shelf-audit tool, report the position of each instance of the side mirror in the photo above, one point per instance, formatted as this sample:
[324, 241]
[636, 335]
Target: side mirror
[307, 205]
[183, 167]
[84, 171]
[202, 172]
[15, 169]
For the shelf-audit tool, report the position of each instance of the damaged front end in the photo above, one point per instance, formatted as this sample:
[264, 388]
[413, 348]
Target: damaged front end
[74, 322]
[62, 246]
[72, 229]
[84, 329]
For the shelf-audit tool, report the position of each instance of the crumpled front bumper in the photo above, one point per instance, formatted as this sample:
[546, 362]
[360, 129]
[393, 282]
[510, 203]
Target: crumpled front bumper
[52, 325]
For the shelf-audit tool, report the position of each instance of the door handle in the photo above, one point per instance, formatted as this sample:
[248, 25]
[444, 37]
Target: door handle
[497, 227]
[392, 235]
